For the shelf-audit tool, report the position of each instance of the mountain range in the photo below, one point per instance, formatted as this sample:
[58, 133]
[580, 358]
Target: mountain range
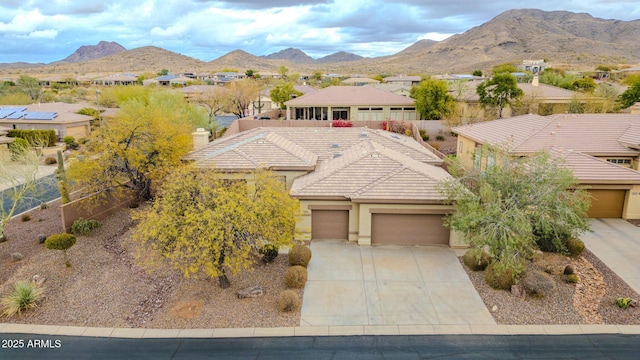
[561, 37]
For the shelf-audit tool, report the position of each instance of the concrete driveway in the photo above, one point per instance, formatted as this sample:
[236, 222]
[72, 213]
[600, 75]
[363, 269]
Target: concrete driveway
[388, 285]
[617, 243]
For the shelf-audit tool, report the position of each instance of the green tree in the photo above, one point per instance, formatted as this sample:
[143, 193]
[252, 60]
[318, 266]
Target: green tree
[477, 72]
[149, 136]
[499, 91]
[432, 99]
[213, 100]
[249, 73]
[30, 86]
[585, 84]
[512, 202]
[632, 94]
[317, 76]
[205, 224]
[283, 71]
[283, 93]
[163, 72]
[504, 68]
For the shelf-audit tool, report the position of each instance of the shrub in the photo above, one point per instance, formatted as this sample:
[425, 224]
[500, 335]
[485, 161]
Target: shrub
[269, 253]
[571, 278]
[424, 135]
[84, 227]
[476, 259]
[25, 295]
[341, 123]
[498, 276]
[538, 283]
[18, 147]
[50, 160]
[69, 140]
[440, 138]
[575, 247]
[299, 255]
[295, 277]
[288, 300]
[25, 217]
[44, 206]
[61, 242]
[624, 303]
[35, 137]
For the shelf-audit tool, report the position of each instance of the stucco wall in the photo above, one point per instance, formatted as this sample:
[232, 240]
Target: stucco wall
[465, 150]
[632, 203]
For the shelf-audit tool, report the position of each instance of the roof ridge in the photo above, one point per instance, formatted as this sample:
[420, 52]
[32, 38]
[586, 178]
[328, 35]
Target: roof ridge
[378, 180]
[288, 144]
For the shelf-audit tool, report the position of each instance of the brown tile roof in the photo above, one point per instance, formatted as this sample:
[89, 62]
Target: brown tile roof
[631, 137]
[369, 171]
[590, 170]
[350, 96]
[593, 134]
[251, 149]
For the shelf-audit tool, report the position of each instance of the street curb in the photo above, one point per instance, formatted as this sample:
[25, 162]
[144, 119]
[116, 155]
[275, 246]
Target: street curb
[362, 330]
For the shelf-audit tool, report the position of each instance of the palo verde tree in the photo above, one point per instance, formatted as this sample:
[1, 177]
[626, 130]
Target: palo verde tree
[499, 91]
[213, 100]
[513, 204]
[432, 99]
[149, 136]
[283, 93]
[30, 86]
[205, 224]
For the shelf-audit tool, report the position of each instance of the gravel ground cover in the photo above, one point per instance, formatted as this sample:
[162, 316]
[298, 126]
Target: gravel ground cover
[105, 287]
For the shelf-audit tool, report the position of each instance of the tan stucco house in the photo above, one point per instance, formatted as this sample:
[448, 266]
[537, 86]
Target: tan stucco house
[603, 150]
[355, 103]
[61, 117]
[357, 184]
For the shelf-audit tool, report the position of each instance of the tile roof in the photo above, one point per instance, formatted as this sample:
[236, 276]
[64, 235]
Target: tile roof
[590, 170]
[251, 149]
[49, 112]
[369, 171]
[350, 96]
[631, 137]
[402, 78]
[594, 134]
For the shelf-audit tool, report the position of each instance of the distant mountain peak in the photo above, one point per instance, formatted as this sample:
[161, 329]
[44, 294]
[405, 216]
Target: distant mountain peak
[92, 52]
[340, 56]
[294, 55]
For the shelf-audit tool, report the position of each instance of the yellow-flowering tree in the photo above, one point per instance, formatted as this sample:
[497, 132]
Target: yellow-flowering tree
[149, 136]
[204, 223]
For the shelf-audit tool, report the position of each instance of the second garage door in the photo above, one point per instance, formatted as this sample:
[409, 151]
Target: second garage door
[330, 224]
[408, 229]
[606, 203]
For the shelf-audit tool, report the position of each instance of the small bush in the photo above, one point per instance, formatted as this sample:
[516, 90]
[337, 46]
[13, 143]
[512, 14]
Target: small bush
[538, 283]
[439, 138]
[476, 259]
[50, 160]
[624, 303]
[498, 277]
[25, 295]
[571, 278]
[295, 277]
[269, 253]
[424, 135]
[44, 206]
[299, 255]
[69, 140]
[84, 227]
[288, 300]
[25, 217]
[18, 147]
[575, 247]
[62, 242]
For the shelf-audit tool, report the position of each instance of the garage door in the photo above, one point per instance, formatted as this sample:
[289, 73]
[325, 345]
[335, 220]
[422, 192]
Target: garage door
[606, 203]
[408, 229]
[330, 224]
[77, 132]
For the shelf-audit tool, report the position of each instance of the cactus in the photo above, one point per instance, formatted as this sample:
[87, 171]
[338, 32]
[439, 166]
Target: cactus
[62, 180]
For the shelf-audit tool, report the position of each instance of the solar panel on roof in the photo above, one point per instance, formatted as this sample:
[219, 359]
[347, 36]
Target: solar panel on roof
[40, 115]
[6, 111]
[16, 115]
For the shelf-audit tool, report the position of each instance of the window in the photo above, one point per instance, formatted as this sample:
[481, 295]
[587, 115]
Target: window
[476, 159]
[626, 162]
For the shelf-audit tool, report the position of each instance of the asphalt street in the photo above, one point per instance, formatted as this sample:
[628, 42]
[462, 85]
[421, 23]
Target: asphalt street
[609, 346]
[45, 191]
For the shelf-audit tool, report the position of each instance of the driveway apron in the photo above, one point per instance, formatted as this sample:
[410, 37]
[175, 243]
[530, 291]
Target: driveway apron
[617, 243]
[388, 285]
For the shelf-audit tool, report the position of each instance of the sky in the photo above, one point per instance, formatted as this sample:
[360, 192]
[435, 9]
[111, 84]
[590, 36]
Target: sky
[50, 30]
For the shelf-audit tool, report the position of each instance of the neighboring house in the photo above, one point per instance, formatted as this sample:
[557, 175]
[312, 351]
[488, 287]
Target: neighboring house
[168, 80]
[402, 80]
[262, 103]
[603, 150]
[351, 103]
[398, 89]
[540, 98]
[534, 66]
[359, 81]
[120, 79]
[58, 81]
[61, 117]
[357, 184]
